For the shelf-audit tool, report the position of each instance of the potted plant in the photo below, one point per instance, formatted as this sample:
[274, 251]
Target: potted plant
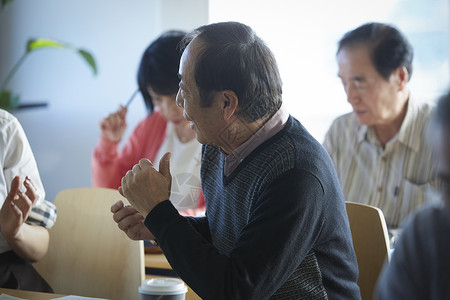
[9, 100]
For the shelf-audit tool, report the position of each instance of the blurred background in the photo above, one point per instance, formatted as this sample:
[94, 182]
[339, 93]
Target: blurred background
[302, 35]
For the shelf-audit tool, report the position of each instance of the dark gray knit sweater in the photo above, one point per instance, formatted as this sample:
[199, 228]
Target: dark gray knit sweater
[276, 227]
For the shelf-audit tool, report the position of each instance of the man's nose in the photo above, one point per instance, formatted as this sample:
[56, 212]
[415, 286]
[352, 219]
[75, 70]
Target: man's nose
[352, 94]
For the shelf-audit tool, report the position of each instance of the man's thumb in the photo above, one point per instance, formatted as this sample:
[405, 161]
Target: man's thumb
[164, 165]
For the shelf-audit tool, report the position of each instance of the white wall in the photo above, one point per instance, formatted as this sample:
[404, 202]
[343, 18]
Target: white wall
[303, 36]
[64, 134]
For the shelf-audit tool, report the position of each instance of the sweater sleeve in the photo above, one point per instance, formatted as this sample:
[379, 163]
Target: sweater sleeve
[109, 165]
[267, 252]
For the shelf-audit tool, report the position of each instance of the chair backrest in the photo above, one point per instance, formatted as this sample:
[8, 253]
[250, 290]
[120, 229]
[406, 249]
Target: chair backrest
[88, 254]
[371, 244]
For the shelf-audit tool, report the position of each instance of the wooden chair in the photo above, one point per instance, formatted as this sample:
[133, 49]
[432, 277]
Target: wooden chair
[371, 244]
[88, 254]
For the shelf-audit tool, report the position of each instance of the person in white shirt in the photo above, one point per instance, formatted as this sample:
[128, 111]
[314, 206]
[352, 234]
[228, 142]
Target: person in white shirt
[25, 215]
[379, 149]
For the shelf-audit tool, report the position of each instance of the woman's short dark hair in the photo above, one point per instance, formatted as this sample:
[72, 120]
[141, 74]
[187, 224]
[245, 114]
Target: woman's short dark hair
[233, 57]
[389, 47]
[158, 68]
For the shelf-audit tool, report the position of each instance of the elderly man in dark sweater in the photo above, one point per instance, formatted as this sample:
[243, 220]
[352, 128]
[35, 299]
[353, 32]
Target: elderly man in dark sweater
[276, 225]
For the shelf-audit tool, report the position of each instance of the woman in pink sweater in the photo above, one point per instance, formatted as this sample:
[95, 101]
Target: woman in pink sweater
[163, 130]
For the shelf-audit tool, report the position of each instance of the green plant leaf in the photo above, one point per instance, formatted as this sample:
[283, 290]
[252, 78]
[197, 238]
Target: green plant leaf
[5, 3]
[8, 101]
[40, 43]
[34, 44]
[89, 59]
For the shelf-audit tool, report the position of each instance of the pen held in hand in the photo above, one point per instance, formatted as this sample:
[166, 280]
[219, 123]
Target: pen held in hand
[131, 98]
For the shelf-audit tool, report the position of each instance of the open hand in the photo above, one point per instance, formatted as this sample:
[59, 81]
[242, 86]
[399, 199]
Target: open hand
[16, 207]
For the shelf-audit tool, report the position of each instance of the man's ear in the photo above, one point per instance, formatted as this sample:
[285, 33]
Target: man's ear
[402, 76]
[230, 104]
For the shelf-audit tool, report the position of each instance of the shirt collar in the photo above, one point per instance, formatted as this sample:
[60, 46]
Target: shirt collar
[269, 129]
